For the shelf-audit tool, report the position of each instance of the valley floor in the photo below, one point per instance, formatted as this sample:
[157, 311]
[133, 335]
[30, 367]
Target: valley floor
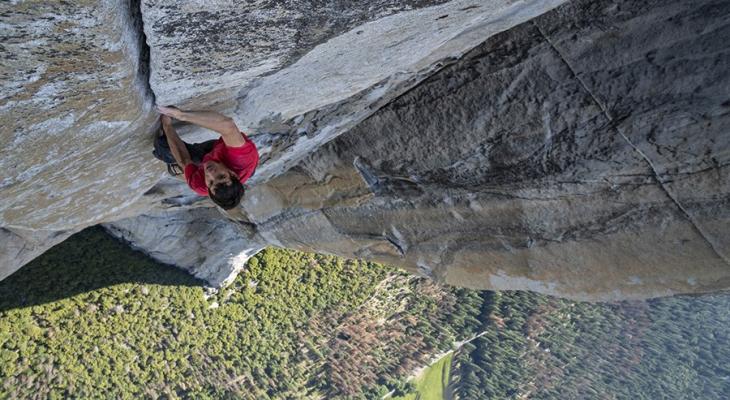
[92, 318]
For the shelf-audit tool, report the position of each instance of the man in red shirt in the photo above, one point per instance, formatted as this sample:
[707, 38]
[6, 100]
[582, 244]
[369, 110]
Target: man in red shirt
[217, 168]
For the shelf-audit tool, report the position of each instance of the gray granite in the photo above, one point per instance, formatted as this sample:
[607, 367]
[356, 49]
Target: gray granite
[579, 151]
[74, 114]
[553, 157]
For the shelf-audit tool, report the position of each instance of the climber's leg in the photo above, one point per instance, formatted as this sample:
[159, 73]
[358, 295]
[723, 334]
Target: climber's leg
[162, 149]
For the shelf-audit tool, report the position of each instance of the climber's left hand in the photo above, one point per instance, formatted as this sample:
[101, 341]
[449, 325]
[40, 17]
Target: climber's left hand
[170, 111]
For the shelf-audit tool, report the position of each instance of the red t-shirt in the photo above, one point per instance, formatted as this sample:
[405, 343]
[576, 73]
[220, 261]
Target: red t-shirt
[241, 160]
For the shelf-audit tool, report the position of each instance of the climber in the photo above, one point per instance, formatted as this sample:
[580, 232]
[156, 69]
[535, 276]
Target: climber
[216, 168]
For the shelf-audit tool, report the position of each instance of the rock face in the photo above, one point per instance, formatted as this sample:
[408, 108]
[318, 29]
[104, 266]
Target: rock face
[243, 42]
[575, 153]
[74, 114]
[294, 101]
[20, 247]
[580, 151]
[200, 241]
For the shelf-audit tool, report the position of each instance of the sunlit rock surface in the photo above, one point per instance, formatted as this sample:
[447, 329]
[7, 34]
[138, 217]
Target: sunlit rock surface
[200, 241]
[74, 114]
[312, 71]
[580, 151]
[214, 49]
[583, 154]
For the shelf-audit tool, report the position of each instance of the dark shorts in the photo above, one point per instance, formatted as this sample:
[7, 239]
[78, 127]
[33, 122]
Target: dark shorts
[197, 150]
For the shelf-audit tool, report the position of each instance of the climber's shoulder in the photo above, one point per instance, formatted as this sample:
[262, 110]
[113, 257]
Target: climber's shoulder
[232, 136]
[242, 159]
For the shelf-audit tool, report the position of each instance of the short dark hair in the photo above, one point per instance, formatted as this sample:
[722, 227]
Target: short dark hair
[227, 196]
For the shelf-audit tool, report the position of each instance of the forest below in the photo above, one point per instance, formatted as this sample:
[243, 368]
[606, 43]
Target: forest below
[93, 318]
[542, 347]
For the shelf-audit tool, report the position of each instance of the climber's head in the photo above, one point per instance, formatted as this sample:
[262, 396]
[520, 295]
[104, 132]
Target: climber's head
[224, 188]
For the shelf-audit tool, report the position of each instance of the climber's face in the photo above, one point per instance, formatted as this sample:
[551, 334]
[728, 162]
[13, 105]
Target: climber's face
[217, 173]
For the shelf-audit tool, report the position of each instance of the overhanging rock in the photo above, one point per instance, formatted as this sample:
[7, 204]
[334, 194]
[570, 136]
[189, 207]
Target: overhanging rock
[583, 152]
[74, 114]
[200, 241]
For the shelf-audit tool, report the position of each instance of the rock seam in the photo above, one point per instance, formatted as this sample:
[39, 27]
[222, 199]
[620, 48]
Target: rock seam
[143, 49]
[643, 155]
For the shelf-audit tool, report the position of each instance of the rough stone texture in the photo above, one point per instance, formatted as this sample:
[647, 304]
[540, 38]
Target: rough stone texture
[243, 41]
[72, 112]
[295, 102]
[20, 247]
[581, 153]
[557, 157]
[74, 85]
[215, 49]
[680, 126]
[200, 241]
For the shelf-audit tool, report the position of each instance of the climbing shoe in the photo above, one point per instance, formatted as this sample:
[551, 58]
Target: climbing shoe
[174, 169]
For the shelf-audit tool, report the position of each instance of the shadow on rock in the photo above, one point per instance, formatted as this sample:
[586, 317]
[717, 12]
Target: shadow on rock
[88, 260]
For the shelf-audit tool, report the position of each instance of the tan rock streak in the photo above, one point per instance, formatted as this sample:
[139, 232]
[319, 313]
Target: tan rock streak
[579, 151]
[511, 169]
[73, 114]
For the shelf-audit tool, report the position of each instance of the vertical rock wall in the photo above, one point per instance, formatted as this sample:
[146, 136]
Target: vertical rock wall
[580, 151]
[296, 76]
[582, 154]
[74, 114]
[280, 72]
[200, 240]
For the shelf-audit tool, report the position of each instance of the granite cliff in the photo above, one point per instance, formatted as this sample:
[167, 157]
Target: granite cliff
[576, 148]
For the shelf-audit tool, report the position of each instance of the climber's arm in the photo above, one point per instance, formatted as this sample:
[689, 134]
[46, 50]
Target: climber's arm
[177, 146]
[211, 120]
